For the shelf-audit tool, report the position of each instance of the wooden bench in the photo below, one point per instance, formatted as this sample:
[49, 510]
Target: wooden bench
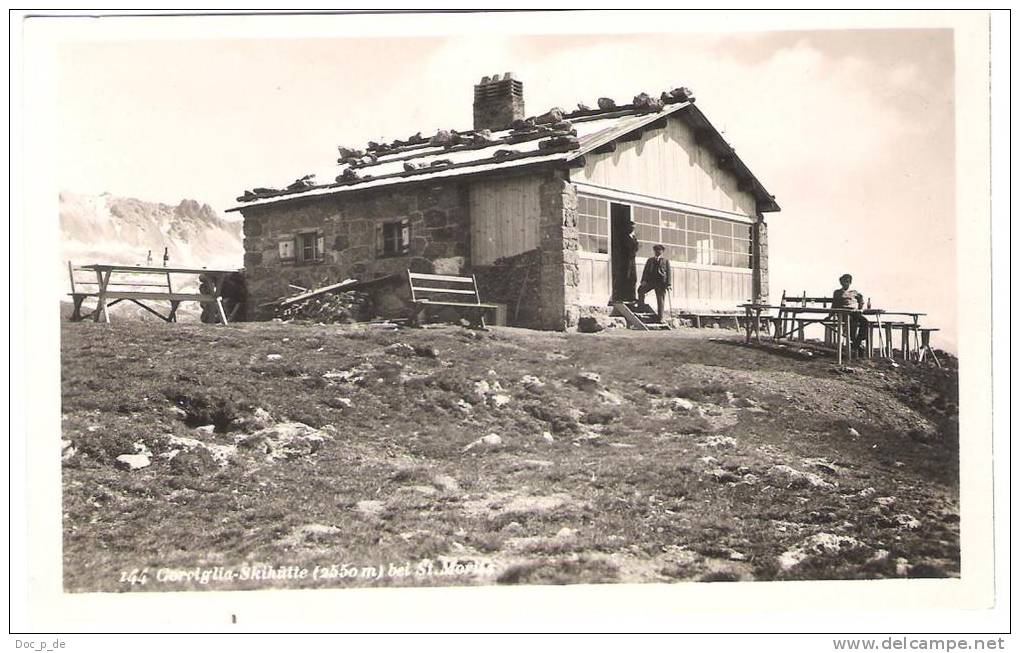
[439, 291]
[113, 284]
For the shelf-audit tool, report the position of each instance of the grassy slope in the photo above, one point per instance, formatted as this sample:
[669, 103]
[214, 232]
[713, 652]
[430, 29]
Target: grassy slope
[632, 492]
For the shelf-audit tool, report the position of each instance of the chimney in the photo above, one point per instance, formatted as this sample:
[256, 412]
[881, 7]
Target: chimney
[498, 102]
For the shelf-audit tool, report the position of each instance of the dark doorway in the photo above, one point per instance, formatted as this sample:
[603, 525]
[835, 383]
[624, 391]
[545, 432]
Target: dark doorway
[622, 254]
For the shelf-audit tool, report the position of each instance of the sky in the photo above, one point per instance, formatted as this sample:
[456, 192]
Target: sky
[851, 130]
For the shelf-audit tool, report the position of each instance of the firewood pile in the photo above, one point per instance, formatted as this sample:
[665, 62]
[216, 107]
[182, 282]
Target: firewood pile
[332, 308]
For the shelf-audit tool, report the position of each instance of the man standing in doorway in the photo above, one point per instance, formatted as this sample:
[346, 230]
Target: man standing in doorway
[844, 297]
[626, 270]
[657, 276]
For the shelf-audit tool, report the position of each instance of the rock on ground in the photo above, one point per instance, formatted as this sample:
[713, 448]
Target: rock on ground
[284, 441]
[794, 478]
[131, 461]
[587, 380]
[400, 349]
[819, 545]
[446, 483]
[370, 508]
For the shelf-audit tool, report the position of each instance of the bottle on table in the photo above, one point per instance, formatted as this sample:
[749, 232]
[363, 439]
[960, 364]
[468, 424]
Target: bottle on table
[166, 256]
[148, 258]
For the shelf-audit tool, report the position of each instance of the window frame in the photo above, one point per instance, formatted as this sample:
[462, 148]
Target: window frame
[397, 243]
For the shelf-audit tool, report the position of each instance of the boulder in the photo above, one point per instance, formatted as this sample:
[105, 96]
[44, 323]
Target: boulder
[480, 390]
[819, 545]
[587, 380]
[441, 137]
[908, 522]
[446, 483]
[491, 440]
[645, 102]
[681, 405]
[132, 461]
[370, 508]
[606, 104]
[284, 441]
[499, 400]
[794, 478]
[426, 351]
[552, 116]
[400, 349]
[532, 383]
[196, 461]
[593, 323]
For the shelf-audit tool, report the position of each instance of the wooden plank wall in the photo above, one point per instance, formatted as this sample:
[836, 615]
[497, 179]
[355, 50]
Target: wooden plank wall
[696, 289]
[504, 218]
[668, 163]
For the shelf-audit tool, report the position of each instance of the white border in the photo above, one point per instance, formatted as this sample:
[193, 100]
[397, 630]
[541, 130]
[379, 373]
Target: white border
[826, 606]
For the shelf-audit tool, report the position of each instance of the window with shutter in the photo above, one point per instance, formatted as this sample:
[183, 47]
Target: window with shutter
[396, 238]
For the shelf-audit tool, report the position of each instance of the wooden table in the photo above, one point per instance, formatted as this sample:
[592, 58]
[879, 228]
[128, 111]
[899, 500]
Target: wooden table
[844, 322]
[117, 283]
[843, 327]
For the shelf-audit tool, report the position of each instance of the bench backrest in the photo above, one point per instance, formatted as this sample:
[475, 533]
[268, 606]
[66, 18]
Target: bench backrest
[86, 281]
[443, 288]
[804, 301]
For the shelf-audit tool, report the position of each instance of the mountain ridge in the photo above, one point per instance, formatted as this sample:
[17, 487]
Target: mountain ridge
[127, 230]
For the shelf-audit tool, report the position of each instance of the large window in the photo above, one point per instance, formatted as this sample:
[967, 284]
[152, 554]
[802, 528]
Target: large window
[687, 238]
[593, 224]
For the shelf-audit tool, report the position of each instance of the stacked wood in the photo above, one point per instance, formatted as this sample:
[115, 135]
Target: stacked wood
[326, 308]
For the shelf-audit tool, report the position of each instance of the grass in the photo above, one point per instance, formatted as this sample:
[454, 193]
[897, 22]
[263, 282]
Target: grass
[646, 492]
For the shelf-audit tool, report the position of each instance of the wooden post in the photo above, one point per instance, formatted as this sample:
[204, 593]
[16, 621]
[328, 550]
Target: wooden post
[849, 339]
[104, 281]
[219, 305]
[839, 340]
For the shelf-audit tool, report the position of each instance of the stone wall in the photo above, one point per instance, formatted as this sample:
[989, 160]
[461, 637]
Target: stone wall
[538, 287]
[350, 227]
[761, 261]
[558, 240]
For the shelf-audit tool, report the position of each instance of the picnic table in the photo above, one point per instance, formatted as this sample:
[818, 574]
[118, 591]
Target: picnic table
[135, 283]
[801, 316]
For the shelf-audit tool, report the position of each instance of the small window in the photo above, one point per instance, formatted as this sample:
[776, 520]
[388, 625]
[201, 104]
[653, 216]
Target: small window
[396, 238]
[310, 247]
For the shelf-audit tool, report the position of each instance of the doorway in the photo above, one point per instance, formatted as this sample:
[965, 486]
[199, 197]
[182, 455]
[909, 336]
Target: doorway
[624, 279]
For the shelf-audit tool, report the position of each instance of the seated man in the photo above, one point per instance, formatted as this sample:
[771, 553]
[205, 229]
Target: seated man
[210, 312]
[844, 297]
[235, 296]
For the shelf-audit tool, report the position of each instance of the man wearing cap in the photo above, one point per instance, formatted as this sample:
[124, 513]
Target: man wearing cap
[657, 276]
[844, 297]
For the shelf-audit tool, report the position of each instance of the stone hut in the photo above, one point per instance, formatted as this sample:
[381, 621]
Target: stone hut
[532, 206]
